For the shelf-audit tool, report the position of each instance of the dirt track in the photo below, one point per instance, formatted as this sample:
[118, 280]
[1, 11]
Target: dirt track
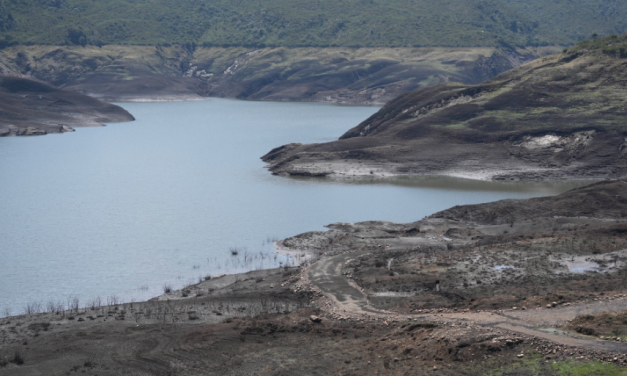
[350, 301]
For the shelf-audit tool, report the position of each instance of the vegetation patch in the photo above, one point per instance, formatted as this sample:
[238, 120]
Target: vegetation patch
[298, 23]
[607, 325]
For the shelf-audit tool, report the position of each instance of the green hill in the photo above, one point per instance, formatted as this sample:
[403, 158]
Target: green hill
[318, 23]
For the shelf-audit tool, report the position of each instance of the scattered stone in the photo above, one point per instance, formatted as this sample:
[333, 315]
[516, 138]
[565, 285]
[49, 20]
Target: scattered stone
[316, 319]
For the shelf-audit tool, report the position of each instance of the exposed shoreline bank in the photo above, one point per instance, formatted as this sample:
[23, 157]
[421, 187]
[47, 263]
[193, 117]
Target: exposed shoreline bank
[358, 284]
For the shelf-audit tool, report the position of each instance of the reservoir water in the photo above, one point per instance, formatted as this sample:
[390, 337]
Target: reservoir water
[125, 209]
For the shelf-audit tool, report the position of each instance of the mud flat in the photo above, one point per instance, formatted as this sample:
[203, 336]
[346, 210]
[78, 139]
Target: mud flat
[469, 290]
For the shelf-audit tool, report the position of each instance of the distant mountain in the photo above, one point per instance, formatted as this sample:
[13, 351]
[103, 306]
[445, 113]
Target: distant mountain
[320, 23]
[29, 108]
[559, 117]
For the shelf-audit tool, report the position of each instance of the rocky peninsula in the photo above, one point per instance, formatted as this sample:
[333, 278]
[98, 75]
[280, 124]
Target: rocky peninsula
[556, 118]
[30, 108]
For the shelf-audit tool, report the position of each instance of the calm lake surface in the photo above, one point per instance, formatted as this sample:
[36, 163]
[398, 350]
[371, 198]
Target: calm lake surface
[124, 209]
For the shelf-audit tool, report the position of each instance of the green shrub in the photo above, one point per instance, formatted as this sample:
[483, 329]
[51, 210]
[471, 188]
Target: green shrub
[587, 369]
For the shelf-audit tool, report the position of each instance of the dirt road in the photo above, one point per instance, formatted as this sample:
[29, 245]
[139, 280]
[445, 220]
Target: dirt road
[349, 301]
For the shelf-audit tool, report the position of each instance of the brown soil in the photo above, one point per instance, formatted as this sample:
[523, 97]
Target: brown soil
[611, 326]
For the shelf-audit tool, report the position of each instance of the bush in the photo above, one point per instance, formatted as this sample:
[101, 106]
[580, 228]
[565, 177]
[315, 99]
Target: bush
[616, 51]
[167, 288]
[17, 358]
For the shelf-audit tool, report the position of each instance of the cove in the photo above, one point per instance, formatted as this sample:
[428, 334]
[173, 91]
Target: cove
[125, 209]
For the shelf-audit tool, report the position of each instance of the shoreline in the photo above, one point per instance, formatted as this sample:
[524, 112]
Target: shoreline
[217, 281]
[302, 256]
[341, 171]
[339, 160]
[355, 297]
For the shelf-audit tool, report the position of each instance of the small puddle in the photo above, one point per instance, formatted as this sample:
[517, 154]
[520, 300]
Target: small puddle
[501, 267]
[392, 294]
[559, 332]
[582, 266]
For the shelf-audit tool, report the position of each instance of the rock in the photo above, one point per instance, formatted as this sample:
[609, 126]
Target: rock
[31, 131]
[316, 319]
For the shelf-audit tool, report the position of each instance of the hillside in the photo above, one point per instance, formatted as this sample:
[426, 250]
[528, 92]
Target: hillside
[31, 108]
[558, 117]
[339, 75]
[300, 23]
[349, 52]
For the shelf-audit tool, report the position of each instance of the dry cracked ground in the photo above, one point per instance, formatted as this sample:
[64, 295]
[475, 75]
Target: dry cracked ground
[516, 287]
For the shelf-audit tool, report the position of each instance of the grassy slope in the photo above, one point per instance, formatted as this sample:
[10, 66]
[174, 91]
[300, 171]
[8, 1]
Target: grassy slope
[558, 117]
[578, 89]
[293, 23]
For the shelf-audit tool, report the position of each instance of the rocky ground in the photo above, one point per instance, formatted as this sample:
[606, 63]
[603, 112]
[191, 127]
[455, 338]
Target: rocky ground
[516, 287]
[555, 118]
[29, 108]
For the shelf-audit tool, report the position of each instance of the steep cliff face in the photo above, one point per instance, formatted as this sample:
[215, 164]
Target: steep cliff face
[31, 108]
[561, 116]
[337, 75]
